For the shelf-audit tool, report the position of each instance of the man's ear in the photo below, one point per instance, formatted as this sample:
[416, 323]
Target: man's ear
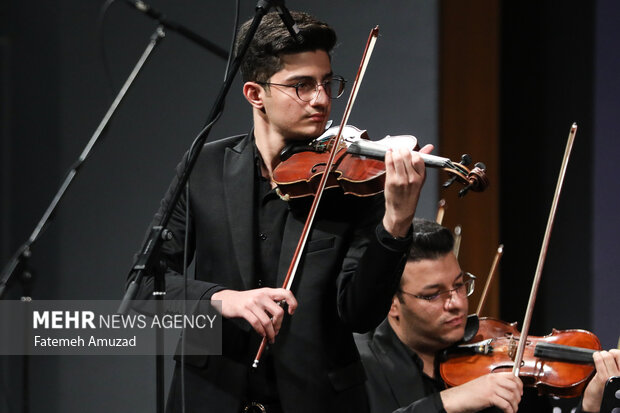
[253, 93]
[395, 308]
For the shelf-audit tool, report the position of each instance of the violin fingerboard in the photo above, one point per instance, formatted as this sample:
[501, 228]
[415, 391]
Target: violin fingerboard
[560, 352]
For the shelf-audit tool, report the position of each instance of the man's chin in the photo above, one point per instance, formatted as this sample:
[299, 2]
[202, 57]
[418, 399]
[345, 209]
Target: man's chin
[305, 135]
[454, 335]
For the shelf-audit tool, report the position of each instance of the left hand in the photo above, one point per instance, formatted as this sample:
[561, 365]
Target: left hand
[607, 365]
[405, 173]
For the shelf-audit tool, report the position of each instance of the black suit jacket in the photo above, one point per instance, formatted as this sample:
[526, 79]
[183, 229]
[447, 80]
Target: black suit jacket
[394, 380]
[344, 283]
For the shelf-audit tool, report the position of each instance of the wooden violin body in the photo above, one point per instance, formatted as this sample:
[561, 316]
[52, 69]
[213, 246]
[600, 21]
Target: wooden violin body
[303, 166]
[358, 167]
[559, 364]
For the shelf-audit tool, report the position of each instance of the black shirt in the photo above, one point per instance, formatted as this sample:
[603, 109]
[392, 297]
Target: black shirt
[269, 221]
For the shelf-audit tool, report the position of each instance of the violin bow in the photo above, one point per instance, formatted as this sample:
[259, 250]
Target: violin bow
[441, 211]
[292, 270]
[370, 44]
[458, 235]
[492, 272]
[543, 253]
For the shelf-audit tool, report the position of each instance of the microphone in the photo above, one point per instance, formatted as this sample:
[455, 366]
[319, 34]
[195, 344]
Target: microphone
[290, 24]
[182, 30]
[144, 8]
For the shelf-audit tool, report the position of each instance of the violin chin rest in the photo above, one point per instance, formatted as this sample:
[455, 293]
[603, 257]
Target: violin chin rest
[293, 148]
[408, 142]
[471, 327]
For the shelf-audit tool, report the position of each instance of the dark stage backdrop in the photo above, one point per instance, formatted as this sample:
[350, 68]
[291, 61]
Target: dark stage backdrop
[560, 65]
[606, 194]
[557, 66]
[56, 94]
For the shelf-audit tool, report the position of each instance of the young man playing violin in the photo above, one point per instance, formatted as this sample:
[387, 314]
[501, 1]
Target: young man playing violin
[427, 315]
[242, 237]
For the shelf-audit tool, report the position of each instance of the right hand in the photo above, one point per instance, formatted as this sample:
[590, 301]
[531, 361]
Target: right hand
[502, 390]
[258, 307]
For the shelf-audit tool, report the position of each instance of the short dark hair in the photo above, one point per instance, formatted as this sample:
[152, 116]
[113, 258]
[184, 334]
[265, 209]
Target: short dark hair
[430, 240]
[272, 40]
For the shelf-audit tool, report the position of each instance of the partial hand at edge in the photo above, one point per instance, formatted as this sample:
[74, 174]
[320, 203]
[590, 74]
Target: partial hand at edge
[607, 365]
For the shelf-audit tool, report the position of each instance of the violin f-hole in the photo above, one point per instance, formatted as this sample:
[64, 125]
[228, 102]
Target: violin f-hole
[314, 168]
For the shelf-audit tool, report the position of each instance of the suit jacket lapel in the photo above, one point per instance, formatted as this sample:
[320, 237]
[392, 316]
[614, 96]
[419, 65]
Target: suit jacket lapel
[239, 194]
[393, 355]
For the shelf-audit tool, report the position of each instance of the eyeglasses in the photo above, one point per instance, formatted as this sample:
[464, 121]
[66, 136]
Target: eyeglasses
[464, 289]
[308, 90]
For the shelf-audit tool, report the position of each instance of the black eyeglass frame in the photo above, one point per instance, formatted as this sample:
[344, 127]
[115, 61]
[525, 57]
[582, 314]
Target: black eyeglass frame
[297, 85]
[469, 285]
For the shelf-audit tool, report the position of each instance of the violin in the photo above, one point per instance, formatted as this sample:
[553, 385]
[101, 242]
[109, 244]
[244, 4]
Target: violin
[558, 364]
[358, 167]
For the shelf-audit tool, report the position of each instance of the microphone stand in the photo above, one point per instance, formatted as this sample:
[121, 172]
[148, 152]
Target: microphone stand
[149, 253]
[169, 24]
[148, 259]
[19, 262]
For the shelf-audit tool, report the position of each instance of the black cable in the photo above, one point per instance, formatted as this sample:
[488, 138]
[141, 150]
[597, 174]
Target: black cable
[185, 265]
[233, 41]
[187, 195]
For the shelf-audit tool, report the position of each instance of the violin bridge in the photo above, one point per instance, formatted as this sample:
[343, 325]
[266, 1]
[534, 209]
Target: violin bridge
[512, 348]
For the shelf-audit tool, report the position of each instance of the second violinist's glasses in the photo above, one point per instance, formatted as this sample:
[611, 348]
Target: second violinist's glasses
[308, 90]
[462, 289]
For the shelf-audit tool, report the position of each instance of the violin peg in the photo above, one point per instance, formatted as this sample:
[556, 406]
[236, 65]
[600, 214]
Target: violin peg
[464, 190]
[465, 159]
[449, 182]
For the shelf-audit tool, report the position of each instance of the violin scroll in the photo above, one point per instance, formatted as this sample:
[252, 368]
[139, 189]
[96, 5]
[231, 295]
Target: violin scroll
[475, 179]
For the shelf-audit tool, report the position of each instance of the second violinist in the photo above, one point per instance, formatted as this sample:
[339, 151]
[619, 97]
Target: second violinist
[242, 236]
[428, 315]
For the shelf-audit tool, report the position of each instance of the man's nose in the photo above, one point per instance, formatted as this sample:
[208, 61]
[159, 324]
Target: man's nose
[455, 300]
[321, 97]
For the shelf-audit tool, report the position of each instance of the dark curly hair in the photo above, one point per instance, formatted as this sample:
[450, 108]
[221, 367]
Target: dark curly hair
[272, 40]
